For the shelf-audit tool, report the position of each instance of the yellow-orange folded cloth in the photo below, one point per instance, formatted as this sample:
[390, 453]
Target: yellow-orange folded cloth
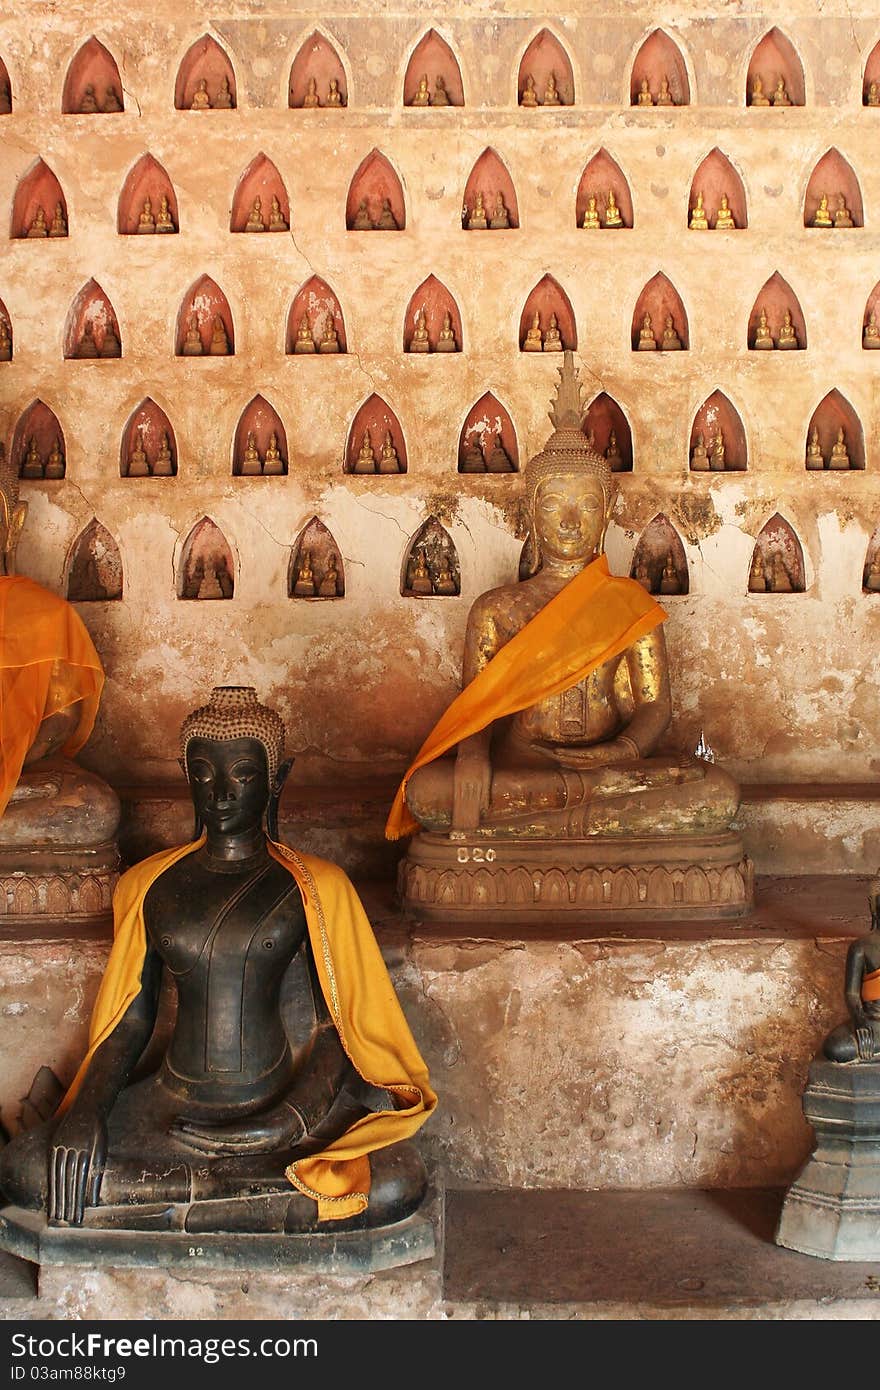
[359, 994]
[871, 986]
[47, 663]
[594, 618]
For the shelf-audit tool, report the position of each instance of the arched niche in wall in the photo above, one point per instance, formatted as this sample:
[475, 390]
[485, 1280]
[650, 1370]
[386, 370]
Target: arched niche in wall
[316, 569]
[871, 79]
[260, 444]
[38, 447]
[833, 193]
[661, 302]
[487, 442]
[92, 86]
[147, 203]
[317, 77]
[716, 184]
[659, 73]
[206, 569]
[432, 322]
[777, 563]
[6, 344]
[604, 180]
[545, 75]
[94, 566]
[871, 569]
[39, 208]
[871, 320]
[489, 181]
[148, 448]
[433, 76]
[375, 440]
[659, 561]
[430, 566]
[314, 322]
[718, 437]
[204, 322]
[777, 319]
[205, 78]
[547, 319]
[92, 328]
[774, 62]
[5, 90]
[260, 202]
[835, 438]
[607, 426]
[375, 199]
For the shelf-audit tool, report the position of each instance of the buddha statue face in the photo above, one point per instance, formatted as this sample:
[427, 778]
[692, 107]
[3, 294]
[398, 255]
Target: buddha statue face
[570, 515]
[229, 783]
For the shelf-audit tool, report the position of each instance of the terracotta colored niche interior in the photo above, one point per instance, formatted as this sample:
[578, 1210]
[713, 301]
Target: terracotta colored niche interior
[149, 428]
[488, 434]
[871, 307]
[718, 413]
[602, 176]
[660, 298]
[38, 189]
[777, 537]
[6, 345]
[872, 75]
[775, 297]
[94, 569]
[92, 85]
[260, 180]
[205, 302]
[545, 56]
[377, 417]
[204, 62]
[262, 421]
[603, 417]
[38, 430]
[659, 57]
[316, 569]
[715, 177]
[207, 568]
[659, 561]
[833, 413]
[146, 180]
[5, 90]
[490, 177]
[430, 567]
[317, 60]
[374, 182]
[432, 58]
[434, 299]
[835, 177]
[774, 57]
[92, 329]
[546, 299]
[316, 302]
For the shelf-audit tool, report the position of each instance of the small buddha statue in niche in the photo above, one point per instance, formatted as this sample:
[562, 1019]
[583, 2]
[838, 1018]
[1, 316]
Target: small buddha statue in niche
[255, 221]
[551, 92]
[724, 217]
[223, 99]
[329, 585]
[388, 459]
[553, 338]
[780, 95]
[647, 341]
[472, 459]
[871, 335]
[201, 101]
[38, 226]
[32, 467]
[387, 221]
[613, 454]
[842, 215]
[814, 461]
[329, 338]
[757, 576]
[5, 341]
[192, 343]
[839, 455]
[366, 458]
[111, 346]
[362, 221]
[58, 225]
[5, 98]
[304, 341]
[477, 220]
[758, 96]
[419, 339]
[873, 96]
[420, 580]
[444, 582]
[87, 347]
[422, 94]
[273, 463]
[613, 216]
[499, 218]
[498, 460]
[787, 339]
[528, 96]
[717, 461]
[534, 340]
[822, 216]
[112, 102]
[644, 97]
[871, 580]
[699, 221]
[310, 100]
[304, 587]
[277, 220]
[642, 575]
[591, 213]
[670, 340]
[55, 461]
[219, 339]
[334, 96]
[138, 463]
[251, 463]
[209, 584]
[146, 220]
[669, 580]
[164, 220]
[224, 578]
[446, 336]
[780, 579]
[164, 465]
[89, 102]
[664, 96]
[700, 455]
[763, 337]
[440, 96]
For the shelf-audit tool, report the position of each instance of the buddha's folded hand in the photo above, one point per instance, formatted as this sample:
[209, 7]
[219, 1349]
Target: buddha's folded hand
[471, 786]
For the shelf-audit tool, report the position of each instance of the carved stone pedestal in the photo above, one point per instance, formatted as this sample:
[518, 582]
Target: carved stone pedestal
[499, 880]
[832, 1209]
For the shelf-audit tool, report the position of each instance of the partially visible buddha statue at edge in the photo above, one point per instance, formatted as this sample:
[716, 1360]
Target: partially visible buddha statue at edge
[873, 96]
[871, 335]
[5, 341]
[872, 574]
[858, 1039]
[787, 335]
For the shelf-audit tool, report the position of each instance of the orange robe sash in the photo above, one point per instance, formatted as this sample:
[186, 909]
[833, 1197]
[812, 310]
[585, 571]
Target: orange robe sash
[871, 986]
[594, 618]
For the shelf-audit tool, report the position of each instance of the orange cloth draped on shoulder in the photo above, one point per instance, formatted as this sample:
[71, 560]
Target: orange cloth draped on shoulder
[359, 994]
[871, 986]
[594, 618]
[47, 663]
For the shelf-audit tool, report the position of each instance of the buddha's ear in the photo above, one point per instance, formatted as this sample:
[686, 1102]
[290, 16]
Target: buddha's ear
[275, 797]
[282, 775]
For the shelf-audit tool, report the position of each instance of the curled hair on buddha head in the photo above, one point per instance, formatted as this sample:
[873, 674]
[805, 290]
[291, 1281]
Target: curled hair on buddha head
[233, 711]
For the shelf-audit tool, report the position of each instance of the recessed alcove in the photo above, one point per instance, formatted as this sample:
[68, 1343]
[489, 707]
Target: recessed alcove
[148, 448]
[92, 86]
[718, 437]
[547, 320]
[610, 430]
[316, 570]
[777, 563]
[833, 193]
[774, 61]
[94, 566]
[5, 90]
[659, 561]
[317, 77]
[375, 441]
[92, 328]
[38, 447]
[717, 190]
[489, 181]
[659, 73]
[604, 180]
[430, 566]
[6, 344]
[204, 322]
[777, 319]
[260, 202]
[871, 569]
[487, 442]
[545, 75]
[205, 78]
[871, 79]
[375, 199]
[315, 317]
[147, 204]
[836, 431]
[206, 569]
[39, 209]
[871, 320]
[432, 322]
[433, 76]
[660, 314]
[260, 444]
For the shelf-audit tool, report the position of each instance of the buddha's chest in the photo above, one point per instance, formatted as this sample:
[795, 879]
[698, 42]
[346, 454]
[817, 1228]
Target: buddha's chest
[585, 712]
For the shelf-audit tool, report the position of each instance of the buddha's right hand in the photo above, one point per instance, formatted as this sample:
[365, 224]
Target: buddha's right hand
[471, 786]
[76, 1166]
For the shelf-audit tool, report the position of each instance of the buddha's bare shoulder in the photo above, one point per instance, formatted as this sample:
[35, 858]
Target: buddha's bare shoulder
[506, 608]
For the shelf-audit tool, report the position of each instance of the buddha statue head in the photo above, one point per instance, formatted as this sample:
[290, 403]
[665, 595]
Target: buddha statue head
[232, 754]
[12, 513]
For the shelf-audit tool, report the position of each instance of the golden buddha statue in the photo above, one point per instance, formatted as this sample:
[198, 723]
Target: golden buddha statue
[32, 467]
[164, 221]
[556, 770]
[273, 463]
[757, 576]
[669, 580]
[717, 461]
[58, 226]
[444, 581]
[822, 216]
[146, 220]
[446, 337]
[219, 339]
[815, 460]
[387, 221]
[647, 341]
[5, 341]
[419, 340]
[780, 95]
[528, 96]
[780, 579]
[763, 337]
[164, 465]
[498, 460]
[553, 338]
[670, 340]
[842, 215]
[787, 339]
[389, 461]
[366, 458]
[37, 227]
[472, 458]
[440, 96]
[310, 100]
[138, 463]
[871, 335]
[758, 96]
[277, 220]
[699, 221]
[201, 101]
[304, 585]
[644, 97]
[304, 342]
[613, 454]
[334, 96]
[839, 454]
[871, 579]
[664, 96]
[700, 455]
[534, 339]
[255, 221]
[420, 582]
[223, 100]
[477, 219]
[87, 347]
[724, 217]
[112, 101]
[329, 338]
[591, 213]
[551, 92]
[251, 463]
[329, 585]
[55, 461]
[422, 95]
[362, 221]
[499, 218]
[89, 102]
[192, 343]
[873, 96]
[613, 216]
